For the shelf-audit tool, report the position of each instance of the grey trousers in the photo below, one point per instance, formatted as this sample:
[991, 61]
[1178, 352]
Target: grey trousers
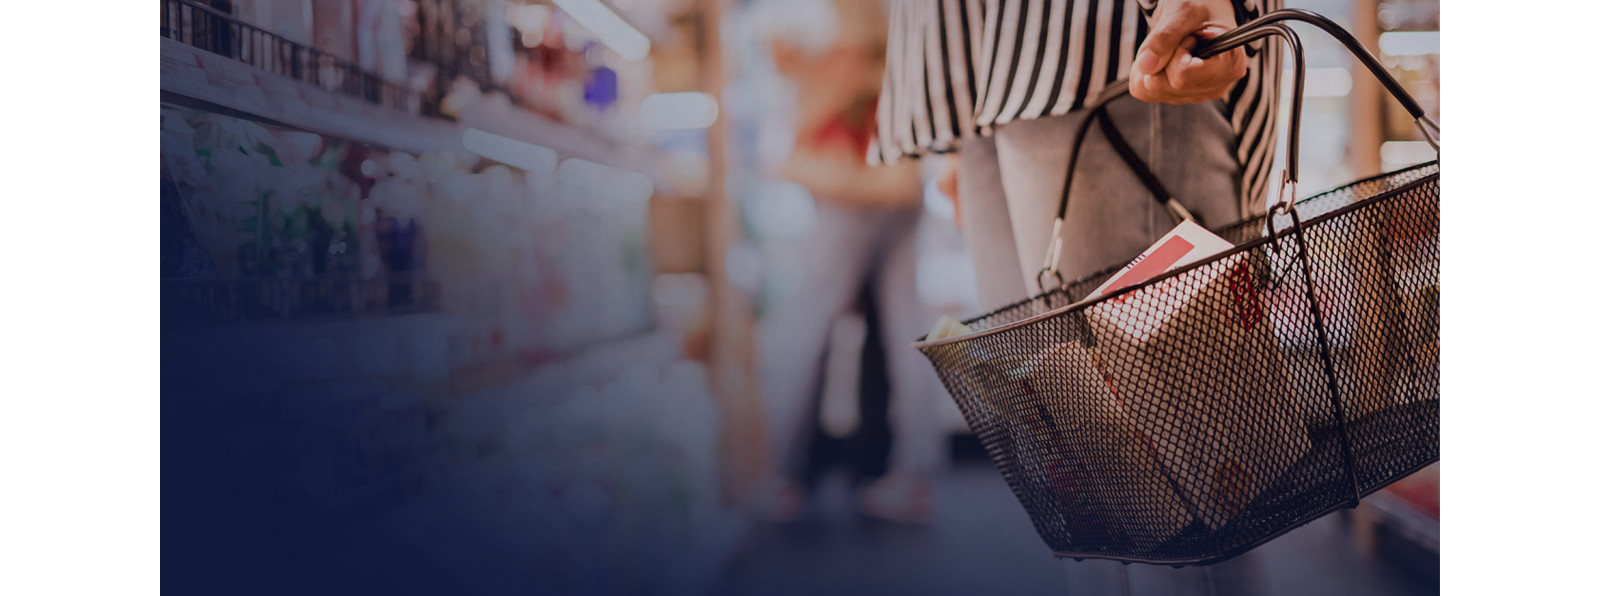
[848, 247]
[1010, 186]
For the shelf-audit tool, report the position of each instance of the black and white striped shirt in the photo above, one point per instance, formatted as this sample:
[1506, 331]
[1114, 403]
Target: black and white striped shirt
[958, 68]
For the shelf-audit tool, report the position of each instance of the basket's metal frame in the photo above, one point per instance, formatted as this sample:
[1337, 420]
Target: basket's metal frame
[1269, 25]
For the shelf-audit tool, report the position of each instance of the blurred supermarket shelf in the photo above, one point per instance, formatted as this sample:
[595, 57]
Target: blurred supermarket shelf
[316, 426]
[210, 303]
[212, 61]
[606, 458]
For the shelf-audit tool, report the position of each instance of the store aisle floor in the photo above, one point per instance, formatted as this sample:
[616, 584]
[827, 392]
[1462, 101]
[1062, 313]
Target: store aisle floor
[980, 542]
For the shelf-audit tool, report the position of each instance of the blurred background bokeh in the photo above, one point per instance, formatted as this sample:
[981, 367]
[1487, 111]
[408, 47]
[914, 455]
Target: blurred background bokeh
[466, 296]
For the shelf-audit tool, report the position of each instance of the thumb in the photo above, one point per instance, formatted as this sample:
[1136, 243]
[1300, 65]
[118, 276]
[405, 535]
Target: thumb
[1170, 29]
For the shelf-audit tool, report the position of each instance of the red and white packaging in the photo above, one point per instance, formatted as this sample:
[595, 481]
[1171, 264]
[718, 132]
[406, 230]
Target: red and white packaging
[1185, 244]
[1200, 372]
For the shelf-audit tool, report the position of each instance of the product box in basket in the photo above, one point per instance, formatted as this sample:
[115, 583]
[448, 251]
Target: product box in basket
[1200, 371]
[1355, 279]
[1379, 309]
[1104, 473]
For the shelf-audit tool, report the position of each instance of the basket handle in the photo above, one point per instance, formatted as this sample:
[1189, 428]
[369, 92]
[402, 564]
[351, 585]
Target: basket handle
[1095, 112]
[1273, 23]
[1267, 25]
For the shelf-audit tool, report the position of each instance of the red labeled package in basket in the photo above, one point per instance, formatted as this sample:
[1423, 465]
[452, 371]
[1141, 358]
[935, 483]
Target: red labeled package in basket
[1223, 428]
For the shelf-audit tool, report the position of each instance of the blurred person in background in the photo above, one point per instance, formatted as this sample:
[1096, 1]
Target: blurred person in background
[831, 51]
[1003, 82]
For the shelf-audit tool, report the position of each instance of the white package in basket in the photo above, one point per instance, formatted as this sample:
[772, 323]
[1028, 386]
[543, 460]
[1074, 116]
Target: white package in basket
[1201, 372]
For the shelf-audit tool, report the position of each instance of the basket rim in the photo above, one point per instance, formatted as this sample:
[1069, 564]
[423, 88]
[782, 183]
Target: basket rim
[922, 343]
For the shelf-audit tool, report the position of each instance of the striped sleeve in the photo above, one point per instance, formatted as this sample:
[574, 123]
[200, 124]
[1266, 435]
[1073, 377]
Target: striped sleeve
[959, 68]
[1252, 109]
[931, 80]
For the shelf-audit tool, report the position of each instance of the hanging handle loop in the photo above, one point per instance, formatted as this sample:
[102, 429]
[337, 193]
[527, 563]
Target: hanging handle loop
[1096, 113]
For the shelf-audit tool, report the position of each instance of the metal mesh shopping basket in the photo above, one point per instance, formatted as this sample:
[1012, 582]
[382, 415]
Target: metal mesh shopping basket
[1192, 417]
